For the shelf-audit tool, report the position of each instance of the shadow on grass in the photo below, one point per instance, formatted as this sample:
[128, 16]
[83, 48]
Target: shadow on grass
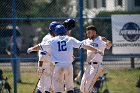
[28, 83]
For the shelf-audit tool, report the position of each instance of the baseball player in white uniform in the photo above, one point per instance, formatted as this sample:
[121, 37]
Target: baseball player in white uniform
[61, 50]
[45, 67]
[94, 67]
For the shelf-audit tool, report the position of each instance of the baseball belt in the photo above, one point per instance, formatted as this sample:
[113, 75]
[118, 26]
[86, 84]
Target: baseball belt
[90, 63]
[56, 62]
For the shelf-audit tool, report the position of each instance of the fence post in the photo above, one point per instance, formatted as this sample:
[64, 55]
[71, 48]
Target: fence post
[81, 37]
[132, 62]
[14, 45]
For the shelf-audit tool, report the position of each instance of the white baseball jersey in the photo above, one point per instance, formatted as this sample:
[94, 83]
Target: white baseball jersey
[98, 43]
[43, 55]
[61, 48]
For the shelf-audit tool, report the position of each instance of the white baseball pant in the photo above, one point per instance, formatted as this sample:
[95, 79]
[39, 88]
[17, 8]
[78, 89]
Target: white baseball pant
[63, 73]
[92, 73]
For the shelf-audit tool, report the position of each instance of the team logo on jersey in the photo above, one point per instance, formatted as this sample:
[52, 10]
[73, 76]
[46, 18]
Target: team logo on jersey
[130, 32]
[94, 44]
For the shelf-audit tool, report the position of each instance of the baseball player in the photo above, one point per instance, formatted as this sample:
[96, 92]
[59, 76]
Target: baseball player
[61, 50]
[69, 24]
[45, 67]
[94, 67]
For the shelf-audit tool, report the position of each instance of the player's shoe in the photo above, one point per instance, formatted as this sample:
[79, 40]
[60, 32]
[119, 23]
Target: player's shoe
[70, 91]
[47, 92]
[38, 91]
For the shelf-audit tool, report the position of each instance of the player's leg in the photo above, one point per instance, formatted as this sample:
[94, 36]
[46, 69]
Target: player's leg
[52, 78]
[40, 85]
[69, 84]
[95, 72]
[96, 77]
[49, 77]
[58, 78]
[84, 79]
[46, 85]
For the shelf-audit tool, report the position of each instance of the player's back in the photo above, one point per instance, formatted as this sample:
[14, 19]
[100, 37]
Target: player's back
[62, 48]
[47, 37]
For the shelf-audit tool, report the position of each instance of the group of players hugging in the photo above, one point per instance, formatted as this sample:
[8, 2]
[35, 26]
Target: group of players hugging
[56, 56]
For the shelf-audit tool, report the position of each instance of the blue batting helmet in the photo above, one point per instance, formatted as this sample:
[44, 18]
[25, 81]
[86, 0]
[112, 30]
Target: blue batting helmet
[53, 25]
[69, 23]
[60, 30]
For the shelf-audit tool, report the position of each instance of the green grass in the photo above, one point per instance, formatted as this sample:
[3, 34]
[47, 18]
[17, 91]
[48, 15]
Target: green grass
[123, 81]
[29, 78]
[118, 81]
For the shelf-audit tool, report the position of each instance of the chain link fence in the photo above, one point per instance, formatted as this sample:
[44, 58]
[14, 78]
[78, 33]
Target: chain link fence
[23, 23]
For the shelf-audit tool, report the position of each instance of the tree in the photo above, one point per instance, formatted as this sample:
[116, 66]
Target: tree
[22, 8]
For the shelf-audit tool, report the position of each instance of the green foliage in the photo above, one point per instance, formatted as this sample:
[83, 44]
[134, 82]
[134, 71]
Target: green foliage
[104, 28]
[45, 9]
[6, 10]
[23, 7]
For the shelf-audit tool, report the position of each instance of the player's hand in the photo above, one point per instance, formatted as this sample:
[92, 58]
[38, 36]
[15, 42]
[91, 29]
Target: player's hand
[104, 39]
[100, 52]
[29, 50]
[40, 70]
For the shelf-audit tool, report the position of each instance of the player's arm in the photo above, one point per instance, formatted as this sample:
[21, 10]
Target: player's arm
[108, 43]
[91, 48]
[34, 48]
[42, 46]
[81, 44]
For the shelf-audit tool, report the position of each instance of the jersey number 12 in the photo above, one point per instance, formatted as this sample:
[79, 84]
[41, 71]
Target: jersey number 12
[62, 46]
